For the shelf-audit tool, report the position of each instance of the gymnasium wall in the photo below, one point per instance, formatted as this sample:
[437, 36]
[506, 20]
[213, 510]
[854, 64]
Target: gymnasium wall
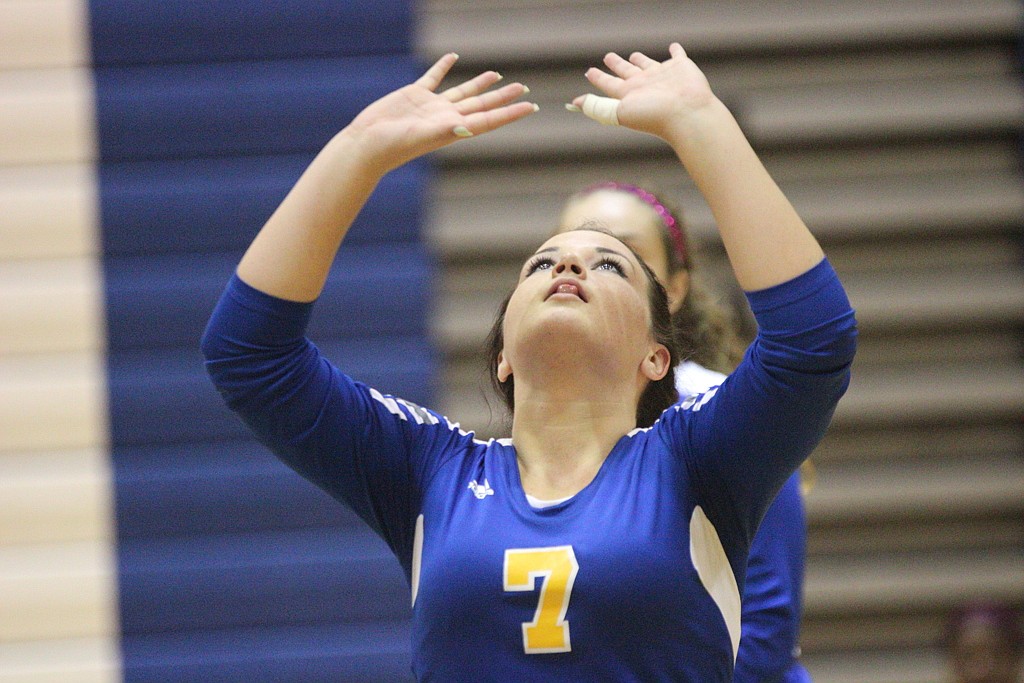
[895, 128]
[150, 537]
[145, 537]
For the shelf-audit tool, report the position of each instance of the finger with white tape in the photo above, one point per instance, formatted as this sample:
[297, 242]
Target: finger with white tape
[601, 109]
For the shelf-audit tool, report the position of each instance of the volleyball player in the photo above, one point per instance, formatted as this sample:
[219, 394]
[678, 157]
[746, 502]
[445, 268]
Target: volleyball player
[634, 570]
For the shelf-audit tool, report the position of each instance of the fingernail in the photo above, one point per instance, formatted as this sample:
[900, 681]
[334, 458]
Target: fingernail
[536, 107]
[455, 55]
[462, 132]
[526, 90]
[573, 107]
[498, 75]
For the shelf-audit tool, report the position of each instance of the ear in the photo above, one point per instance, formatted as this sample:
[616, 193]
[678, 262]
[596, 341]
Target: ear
[677, 286]
[504, 369]
[656, 365]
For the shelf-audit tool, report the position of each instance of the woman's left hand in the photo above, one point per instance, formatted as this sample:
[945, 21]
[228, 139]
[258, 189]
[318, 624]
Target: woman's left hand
[647, 95]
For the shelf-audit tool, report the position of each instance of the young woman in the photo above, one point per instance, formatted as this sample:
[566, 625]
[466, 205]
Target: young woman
[636, 573]
[704, 333]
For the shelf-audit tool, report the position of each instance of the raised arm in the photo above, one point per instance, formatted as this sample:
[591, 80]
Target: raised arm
[347, 438]
[766, 240]
[742, 441]
[292, 254]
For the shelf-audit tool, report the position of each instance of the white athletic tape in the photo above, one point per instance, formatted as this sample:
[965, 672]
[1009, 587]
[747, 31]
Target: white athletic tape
[601, 109]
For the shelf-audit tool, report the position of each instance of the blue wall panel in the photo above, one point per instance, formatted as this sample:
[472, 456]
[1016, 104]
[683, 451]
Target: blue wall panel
[232, 567]
[237, 109]
[363, 653]
[150, 305]
[234, 484]
[258, 579]
[164, 395]
[126, 32]
[202, 205]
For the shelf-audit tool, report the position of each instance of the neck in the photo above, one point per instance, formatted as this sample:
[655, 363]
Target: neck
[561, 443]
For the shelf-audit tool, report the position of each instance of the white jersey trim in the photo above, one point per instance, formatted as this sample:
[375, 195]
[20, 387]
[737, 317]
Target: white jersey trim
[419, 414]
[417, 557]
[715, 572]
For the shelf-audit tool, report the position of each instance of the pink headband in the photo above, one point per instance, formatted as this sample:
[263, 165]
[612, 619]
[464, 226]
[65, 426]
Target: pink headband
[668, 220]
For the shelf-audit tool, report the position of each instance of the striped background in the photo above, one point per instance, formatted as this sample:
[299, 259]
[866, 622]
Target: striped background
[143, 535]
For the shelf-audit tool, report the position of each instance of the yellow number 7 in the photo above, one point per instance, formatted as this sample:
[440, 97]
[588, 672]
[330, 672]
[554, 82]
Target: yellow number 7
[556, 567]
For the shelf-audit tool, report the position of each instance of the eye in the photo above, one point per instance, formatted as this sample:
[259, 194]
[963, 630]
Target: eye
[612, 264]
[539, 263]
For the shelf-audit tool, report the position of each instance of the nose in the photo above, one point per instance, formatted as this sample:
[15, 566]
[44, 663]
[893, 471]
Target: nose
[570, 264]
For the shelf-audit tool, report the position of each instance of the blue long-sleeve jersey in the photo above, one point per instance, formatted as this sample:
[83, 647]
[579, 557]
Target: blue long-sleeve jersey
[636, 577]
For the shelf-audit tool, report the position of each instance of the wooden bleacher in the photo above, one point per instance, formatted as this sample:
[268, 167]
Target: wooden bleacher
[895, 129]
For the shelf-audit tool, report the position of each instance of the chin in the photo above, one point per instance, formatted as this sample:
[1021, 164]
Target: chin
[561, 338]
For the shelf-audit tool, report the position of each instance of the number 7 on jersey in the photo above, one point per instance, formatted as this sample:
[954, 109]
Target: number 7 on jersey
[556, 567]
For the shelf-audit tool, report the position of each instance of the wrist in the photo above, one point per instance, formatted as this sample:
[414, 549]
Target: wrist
[355, 148]
[691, 129]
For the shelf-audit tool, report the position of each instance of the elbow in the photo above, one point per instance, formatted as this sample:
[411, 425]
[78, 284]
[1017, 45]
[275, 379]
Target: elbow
[846, 341]
[212, 349]
[208, 344]
[216, 357]
[827, 349]
[844, 351]
[837, 350]
[212, 343]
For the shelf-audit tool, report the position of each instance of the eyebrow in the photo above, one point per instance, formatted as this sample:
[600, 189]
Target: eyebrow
[606, 250]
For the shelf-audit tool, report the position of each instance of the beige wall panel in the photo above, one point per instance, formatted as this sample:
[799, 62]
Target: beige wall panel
[80, 660]
[48, 211]
[879, 108]
[55, 496]
[906, 488]
[57, 591]
[950, 393]
[58, 602]
[46, 116]
[838, 200]
[537, 29]
[36, 33]
[927, 579]
[52, 402]
[50, 305]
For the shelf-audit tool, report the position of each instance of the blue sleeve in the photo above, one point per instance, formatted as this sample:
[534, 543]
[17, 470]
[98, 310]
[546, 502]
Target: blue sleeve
[773, 594]
[742, 440]
[371, 451]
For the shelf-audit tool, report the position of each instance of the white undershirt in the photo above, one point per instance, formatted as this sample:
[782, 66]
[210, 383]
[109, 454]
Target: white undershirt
[538, 504]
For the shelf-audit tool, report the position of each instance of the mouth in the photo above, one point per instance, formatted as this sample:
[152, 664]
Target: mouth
[567, 286]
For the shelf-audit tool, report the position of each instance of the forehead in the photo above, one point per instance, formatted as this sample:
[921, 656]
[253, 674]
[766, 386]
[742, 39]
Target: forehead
[586, 240]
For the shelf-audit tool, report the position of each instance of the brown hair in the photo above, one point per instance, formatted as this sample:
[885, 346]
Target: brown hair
[657, 395]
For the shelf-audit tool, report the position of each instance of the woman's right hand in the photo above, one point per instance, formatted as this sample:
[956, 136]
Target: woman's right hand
[292, 254]
[415, 119]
